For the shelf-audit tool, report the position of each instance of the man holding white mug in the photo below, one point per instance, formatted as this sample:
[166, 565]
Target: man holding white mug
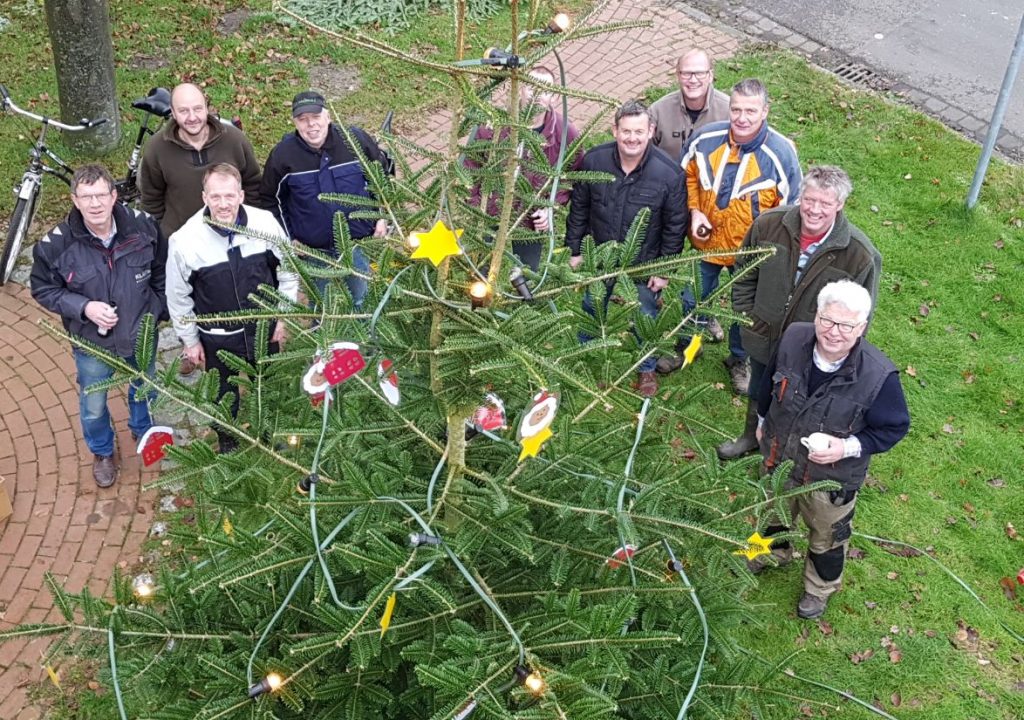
[828, 401]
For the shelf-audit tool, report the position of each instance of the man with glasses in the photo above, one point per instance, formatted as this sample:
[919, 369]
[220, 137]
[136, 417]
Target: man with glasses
[697, 103]
[828, 401]
[735, 171]
[814, 244]
[102, 270]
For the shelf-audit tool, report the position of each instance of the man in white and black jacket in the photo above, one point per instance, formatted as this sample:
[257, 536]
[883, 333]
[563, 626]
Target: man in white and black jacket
[214, 270]
[102, 270]
[317, 159]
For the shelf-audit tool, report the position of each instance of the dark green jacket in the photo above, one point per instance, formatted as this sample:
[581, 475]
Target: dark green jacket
[768, 295]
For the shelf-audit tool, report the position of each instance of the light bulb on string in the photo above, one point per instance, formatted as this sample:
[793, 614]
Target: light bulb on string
[143, 586]
[271, 683]
[412, 241]
[307, 482]
[559, 24]
[479, 293]
[518, 281]
[294, 441]
[531, 680]
[417, 539]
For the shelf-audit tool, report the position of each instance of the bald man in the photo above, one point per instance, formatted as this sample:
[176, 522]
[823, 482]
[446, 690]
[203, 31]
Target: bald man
[680, 114]
[177, 158]
[171, 176]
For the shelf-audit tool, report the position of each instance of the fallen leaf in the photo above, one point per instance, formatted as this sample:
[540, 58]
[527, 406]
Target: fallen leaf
[886, 642]
[805, 632]
[948, 429]
[1011, 531]
[825, 628]
[858, 657]
[968, 377]
[950, 520]
[911, 371]
[908, 176]
[965, 637]
[896, 699]
[899, 550]
[997, 482]
[874, 208]
[969, 508]
[1009, 588]
[923, 310]
[895, 655]
[855, 553]
[930, 633]
[892, 575]
[870, 605]
[973, 336]
[895, 629]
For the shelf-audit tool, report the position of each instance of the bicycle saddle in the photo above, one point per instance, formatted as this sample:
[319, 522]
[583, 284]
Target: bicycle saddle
[158, 102]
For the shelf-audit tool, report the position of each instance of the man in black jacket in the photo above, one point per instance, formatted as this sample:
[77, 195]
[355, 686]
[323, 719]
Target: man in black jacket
[102, 270]
[317, 159]
[645, 177]
[828, 401]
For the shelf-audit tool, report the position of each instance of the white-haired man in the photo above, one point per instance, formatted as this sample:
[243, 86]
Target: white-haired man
[814, 244]
[828, 401]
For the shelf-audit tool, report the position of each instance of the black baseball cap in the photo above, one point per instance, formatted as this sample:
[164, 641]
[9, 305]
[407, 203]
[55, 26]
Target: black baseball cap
[308, 101]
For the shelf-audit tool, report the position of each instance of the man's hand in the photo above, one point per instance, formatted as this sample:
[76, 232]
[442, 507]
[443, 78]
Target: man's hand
[759, 433]
[381, 228]
[280, 334]
[833, 453]
[697, 219]
[575, 261]
[657, 284]
[101, 314]
[195, 354]
[541, 219]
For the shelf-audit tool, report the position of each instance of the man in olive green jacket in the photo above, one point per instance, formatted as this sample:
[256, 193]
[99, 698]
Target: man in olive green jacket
[815, 244]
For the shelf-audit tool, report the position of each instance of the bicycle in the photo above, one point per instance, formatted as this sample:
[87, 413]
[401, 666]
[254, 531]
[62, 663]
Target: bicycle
[156, 104]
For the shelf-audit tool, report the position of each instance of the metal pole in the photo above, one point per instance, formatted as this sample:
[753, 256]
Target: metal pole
[997, 117]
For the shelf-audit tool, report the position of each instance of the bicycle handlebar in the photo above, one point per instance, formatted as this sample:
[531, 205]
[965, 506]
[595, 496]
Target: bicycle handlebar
[84, 123]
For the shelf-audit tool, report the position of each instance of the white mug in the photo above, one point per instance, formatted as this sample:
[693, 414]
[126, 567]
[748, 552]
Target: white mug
[816, 442]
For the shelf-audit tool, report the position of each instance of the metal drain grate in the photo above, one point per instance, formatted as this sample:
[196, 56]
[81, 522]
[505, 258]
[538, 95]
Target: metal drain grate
[860, 75]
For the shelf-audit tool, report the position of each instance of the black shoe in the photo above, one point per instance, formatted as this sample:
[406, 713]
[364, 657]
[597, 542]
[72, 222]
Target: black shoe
[226, 445]
[104, 471]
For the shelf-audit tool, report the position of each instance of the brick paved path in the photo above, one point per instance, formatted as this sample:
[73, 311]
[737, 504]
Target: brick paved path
[62, 522]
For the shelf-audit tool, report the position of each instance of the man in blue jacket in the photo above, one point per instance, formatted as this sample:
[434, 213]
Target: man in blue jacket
[317, 159]
[102, 270]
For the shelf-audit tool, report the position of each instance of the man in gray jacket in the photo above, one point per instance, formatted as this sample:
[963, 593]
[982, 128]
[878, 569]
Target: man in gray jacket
[680, 114]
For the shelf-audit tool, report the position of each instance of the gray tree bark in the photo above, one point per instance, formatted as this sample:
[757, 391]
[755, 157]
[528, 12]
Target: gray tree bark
[83, 55]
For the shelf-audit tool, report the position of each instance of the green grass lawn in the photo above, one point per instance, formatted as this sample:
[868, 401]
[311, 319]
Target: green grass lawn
[949, 315]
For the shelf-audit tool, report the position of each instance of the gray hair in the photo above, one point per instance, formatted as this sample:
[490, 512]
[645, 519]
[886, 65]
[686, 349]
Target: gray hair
[632, 108]
[849, 294]
[828, 177]
[751, 87]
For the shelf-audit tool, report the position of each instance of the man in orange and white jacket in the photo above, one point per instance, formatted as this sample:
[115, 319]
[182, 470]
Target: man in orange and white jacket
[735, 170]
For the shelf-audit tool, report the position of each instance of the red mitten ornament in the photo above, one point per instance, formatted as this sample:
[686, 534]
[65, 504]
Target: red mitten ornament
[151, 445]
[489, 416]
[620, 556]
[344, 361]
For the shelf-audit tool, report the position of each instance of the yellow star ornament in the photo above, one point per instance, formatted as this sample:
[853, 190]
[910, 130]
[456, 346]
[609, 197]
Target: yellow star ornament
[437, 244]
[531, 445]
[691, 351]
[756, 545]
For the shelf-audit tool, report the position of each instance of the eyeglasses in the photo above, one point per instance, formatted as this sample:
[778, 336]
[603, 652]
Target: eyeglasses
[96, 199]
[844, 328]
[697, 75]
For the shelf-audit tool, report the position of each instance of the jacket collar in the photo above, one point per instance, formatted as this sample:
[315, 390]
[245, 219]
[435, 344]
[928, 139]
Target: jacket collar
[242, 221]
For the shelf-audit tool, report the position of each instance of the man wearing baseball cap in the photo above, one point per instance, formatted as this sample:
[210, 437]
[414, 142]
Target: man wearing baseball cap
[317, 158]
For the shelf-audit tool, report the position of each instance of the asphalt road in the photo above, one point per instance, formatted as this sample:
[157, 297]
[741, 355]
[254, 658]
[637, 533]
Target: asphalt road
[955, 50]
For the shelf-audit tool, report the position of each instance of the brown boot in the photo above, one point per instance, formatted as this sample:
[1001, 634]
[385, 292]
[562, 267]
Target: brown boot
[745, 443]
[647, 384]
[739, 373]
[104, 470]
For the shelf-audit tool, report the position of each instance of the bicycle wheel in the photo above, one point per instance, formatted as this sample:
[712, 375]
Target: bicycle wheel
[21, 220]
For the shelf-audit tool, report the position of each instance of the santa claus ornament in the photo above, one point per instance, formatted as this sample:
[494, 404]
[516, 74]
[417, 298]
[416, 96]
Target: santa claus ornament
[535, 427]
[388, 381]
[620, 556]
[151, 444]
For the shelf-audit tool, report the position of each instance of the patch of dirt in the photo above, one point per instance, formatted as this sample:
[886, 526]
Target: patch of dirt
[230, 23]
[141, 61]
[334, 81]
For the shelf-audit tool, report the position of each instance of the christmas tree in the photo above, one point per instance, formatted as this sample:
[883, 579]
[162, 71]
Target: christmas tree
[444, 505]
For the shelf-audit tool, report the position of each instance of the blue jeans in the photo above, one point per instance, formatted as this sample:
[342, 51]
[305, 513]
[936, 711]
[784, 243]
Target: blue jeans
[96, 424]
[356, 285]
[709, 275]
[648, 306]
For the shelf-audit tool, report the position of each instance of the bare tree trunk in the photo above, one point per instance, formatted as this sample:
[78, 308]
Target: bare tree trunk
[83, 56]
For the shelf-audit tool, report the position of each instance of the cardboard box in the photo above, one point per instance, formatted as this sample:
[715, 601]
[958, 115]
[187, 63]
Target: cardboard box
[5, 500]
